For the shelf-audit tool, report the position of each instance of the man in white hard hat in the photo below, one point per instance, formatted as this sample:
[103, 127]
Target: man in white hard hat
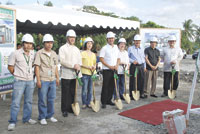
[109, 58]
[46, 70]
[71, 61]
[152, 60]
[137, 60]
[172, 56]
[20, 66]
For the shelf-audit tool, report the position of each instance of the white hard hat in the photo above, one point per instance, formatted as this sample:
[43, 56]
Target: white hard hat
[137, 37]
[122, 40]
[88, 39]
[48, 37]
[153, 39]
[71, 33]
[27, 38]
[172, 38]
[110, 35]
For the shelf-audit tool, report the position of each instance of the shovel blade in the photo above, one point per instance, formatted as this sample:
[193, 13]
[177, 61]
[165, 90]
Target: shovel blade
[95, 105]
[136, 95]
[76, 108]
[118, 104]
[127, 98]
[172, 94]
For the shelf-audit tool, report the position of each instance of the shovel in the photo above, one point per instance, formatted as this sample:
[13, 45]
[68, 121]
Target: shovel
[125, 94]
[75, 105]
[136, 93]
[117, 101]
[94, 104]
[171, 92]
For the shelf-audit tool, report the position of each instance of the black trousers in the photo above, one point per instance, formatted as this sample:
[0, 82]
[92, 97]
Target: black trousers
[140, 79]
[108, 86]
[167, 81]
[67, 94]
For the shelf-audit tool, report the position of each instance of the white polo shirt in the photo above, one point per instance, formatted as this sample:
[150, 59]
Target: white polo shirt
[172, 54]
[110, 55]
[124, 59]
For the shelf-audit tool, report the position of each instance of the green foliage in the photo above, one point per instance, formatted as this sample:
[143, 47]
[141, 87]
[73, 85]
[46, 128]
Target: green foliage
[133, 18]
[151, 24]
[48, 3]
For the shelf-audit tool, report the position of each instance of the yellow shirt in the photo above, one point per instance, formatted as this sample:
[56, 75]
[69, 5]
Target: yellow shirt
[87, 60]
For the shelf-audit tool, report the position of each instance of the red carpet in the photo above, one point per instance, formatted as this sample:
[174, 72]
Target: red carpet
[152, 113]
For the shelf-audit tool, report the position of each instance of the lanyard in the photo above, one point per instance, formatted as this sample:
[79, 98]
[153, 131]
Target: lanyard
[27, 60]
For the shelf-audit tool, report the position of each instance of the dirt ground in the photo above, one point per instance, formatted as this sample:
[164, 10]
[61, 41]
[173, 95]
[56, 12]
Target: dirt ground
[106, 121]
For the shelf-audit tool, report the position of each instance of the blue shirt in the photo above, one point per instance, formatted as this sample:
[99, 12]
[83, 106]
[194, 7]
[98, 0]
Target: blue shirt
[136, 54]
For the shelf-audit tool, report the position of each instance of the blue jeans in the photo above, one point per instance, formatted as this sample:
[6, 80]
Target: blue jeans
[86, 89]
[46, 97]
[120, 85]
[21, 88]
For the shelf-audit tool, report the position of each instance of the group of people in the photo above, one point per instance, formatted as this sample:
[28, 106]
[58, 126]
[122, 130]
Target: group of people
[143, 63]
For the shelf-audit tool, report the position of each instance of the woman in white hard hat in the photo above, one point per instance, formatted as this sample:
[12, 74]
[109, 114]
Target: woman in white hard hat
[172, 56]
[20, 66]
[124, 61]
[70, 60]
[110, 59]
[88, 66]
[46, 70]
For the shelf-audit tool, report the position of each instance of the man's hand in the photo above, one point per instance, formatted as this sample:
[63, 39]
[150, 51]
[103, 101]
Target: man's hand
[57, 81]
[39, 85]
[112, 67]
[93, 68]
[173, 62]
[145, 70]
[77, 67]
[135, 62]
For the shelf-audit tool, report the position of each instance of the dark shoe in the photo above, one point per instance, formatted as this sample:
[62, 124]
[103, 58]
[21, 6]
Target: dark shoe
[111, 103]
[65, 114]
[164, 95]
[143, 96]
[153, 95]
[103, 106]
[121, 97]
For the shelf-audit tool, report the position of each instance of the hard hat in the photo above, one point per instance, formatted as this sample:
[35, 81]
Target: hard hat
[71, 33]
[88, 39]
[122, 40]
[137, 37]
[153, 39]
[27, 38]
[110, 35]
[48, 37]
[172, 38]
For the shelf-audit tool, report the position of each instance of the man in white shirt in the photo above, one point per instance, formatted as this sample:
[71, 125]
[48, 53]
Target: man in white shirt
[172, 56]
[70, 60]
[109, 58]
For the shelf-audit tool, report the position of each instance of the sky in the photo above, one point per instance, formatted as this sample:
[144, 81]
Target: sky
[168, 13]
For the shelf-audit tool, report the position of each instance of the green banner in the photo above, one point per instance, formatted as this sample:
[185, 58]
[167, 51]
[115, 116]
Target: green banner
[6, 80]
[6, 14]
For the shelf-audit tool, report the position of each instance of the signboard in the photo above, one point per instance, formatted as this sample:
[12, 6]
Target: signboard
[7, 46]
[162, 34]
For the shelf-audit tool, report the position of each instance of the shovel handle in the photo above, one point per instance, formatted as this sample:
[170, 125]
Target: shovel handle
[124, 66]
[116, 89]
[75, 96]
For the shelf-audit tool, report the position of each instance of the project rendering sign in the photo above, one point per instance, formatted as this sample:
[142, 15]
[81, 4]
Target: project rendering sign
[7, 46]
[162, 35]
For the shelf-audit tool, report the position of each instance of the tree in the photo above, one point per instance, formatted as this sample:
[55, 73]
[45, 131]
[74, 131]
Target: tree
[90, 9]
[188, 27]
[151, 24]
[133, 18]
[48, 3]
